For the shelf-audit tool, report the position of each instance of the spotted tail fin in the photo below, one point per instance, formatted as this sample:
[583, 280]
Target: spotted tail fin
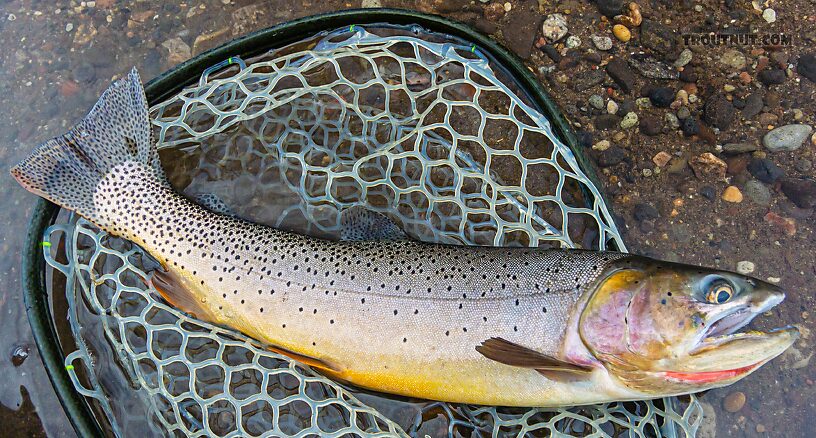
[66, 170]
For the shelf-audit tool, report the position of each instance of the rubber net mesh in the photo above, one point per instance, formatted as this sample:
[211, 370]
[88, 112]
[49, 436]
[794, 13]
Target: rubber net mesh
[419, 126]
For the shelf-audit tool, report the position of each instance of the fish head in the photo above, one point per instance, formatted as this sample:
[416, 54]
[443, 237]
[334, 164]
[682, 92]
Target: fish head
[665, 328]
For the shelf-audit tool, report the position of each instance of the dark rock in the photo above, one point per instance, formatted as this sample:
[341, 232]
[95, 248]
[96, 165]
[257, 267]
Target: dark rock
[708, 192]
[753, 105]
[737, 163]
[772, 99]
[690, 126]
[719, 112]
[801, 192]
[521, 29]
[771, 76]
[650, 126]
[484, 26]
[586, 80]
[593, 57]
[569, 62]
[780, 58]
[647, 90]
[765, 170]
[644, 211]
[610, 157]
[688, 75]
[807, 66]
[657, 37]
[551, 52]
[84, 74]
[739, 148]
[610, 8]
[738, 103]
[584, 138]
[606, 122]
[662, 97]
[626, 106]
[620, 72]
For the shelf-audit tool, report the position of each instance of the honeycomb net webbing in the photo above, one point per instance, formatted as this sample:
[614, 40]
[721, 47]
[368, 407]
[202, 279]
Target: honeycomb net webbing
[416, 125]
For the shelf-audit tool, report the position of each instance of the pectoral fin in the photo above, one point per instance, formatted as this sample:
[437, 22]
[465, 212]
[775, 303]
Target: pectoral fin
[174, 291]
[509, 353]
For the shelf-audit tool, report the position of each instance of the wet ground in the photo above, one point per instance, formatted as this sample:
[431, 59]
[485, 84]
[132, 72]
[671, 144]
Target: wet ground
[60, 55]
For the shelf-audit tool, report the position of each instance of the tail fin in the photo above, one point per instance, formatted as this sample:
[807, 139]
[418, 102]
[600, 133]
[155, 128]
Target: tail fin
[67, 169]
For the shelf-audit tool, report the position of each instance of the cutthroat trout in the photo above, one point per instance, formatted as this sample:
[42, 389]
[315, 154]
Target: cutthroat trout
[482, 325]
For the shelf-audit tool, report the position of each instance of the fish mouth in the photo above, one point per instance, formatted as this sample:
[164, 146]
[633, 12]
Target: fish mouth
[722, 354]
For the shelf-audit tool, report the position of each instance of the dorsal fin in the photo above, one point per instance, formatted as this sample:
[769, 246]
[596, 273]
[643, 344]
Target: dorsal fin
[360, 224]
[509, 353]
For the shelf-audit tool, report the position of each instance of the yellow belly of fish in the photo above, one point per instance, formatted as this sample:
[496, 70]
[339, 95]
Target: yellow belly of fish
[452, 373]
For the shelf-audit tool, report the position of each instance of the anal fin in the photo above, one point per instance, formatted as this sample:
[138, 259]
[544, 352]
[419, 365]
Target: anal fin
[509, 353]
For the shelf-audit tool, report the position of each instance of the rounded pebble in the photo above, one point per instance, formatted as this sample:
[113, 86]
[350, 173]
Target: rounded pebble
[803, 165]
[621, 32]
[684, 58]
[732, 194]
[612, 107]
[629, 120]
[769, 15]
[672, 121]
[602, 43]
[596, 101]
[734, 401]
[786, 138]
[573, 41]
[745, 267]
[554, 27]
[758, 192]
[601, 145]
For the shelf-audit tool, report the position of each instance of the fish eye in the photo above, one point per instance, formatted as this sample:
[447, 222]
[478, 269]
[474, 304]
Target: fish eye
[719, 292]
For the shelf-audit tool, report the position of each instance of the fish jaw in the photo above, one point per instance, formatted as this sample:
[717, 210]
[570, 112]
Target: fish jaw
[735, 355]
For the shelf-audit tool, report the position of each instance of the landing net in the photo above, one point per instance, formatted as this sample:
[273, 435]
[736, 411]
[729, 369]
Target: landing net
[419, 126]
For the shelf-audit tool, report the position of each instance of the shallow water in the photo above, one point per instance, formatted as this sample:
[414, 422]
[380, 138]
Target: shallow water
[52, 75]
